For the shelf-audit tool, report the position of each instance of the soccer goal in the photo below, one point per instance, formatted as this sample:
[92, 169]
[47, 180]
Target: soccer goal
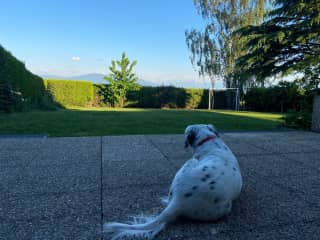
[224, 98]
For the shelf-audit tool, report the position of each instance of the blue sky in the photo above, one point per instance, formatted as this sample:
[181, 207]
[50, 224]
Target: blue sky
[65, 37]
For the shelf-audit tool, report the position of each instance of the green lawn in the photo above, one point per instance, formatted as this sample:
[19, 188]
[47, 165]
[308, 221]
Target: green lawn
[99, 121]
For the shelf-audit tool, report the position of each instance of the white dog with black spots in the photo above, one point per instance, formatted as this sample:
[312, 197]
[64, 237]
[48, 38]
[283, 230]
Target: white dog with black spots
[203, 189]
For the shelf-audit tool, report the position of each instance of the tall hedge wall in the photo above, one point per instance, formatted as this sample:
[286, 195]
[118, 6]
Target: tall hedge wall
[170, 97]
[287, 96]
[159, 97]
[71, 93]
[28, 89]
[81, 93]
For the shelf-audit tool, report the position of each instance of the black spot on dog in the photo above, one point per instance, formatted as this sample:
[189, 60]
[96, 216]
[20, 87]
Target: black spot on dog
[222, 173]
[203, 179]
[188, 195]
[194, 187]
[204, 168]
[234, 169]
[212, 182]
[212, 188]
[225, 148]
[207, 175]
[170, 193]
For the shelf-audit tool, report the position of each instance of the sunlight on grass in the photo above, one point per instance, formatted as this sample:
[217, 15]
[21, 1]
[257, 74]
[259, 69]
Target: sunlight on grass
[270, 116]
[260, 115]
[107, 109]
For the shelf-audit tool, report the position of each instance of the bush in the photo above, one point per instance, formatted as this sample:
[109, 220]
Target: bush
[71, 93]
[298, 120]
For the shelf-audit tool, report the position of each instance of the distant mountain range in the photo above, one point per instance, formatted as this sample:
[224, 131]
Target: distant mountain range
[98, 78]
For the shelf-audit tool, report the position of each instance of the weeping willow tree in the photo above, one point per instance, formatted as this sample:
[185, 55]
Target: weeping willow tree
[215, 48]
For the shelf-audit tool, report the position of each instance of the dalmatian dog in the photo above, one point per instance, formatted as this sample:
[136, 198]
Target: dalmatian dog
[203, 189]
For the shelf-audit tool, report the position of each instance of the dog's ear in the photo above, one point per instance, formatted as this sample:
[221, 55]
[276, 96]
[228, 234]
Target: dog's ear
[212, 129]
[190, 138]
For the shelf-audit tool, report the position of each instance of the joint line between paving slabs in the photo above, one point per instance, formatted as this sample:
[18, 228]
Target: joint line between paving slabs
[163, 154]
[101, 188]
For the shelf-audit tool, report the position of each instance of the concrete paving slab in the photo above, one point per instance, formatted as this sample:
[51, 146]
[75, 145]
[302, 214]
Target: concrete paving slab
[255, 208]
[282, 142]
[134, 201]
[132, 153]
[135, 147]
[12, 144]
[285, 146]
[242, 147]
[12, 158]
[298, 230]
[72, 215]
[172, 148]
[124, 173]
[129, 140]
[53, 188]
[60, 165]
[274, 167]
[311, 160]
[295, 183]
[55, 179]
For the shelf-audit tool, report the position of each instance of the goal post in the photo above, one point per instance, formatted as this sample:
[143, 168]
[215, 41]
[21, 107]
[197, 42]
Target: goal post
[224, 98]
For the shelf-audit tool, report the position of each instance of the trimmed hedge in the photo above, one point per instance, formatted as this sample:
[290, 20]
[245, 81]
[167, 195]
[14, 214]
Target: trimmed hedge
[168, 97]
[71, 93]
[81, 93]
[287, 96]
[158, 97]
[27, 89]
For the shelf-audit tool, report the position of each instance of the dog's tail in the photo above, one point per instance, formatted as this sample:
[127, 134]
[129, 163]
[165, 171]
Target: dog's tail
[147, 230]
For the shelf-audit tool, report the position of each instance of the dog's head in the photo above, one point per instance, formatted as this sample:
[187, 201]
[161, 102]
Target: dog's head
[197, 132]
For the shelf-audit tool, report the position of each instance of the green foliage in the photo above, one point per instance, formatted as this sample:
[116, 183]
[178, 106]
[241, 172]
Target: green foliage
[20, 88]
[168, 97]
[215, 49]
[298, 120]
[225, 99]
[71, 93]
[80, 93]
[120, 81]
[281, 98]
[287, 42]
[7, 98]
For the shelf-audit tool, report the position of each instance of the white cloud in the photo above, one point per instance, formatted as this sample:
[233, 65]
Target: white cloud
[75, 58]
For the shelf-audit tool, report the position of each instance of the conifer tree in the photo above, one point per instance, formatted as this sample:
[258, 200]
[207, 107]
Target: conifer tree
[121, 80]
[287, 42]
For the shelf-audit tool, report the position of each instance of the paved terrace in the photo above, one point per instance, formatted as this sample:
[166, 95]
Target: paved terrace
[65, 188]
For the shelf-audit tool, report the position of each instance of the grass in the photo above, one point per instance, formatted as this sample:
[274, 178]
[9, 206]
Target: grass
[104, 121]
